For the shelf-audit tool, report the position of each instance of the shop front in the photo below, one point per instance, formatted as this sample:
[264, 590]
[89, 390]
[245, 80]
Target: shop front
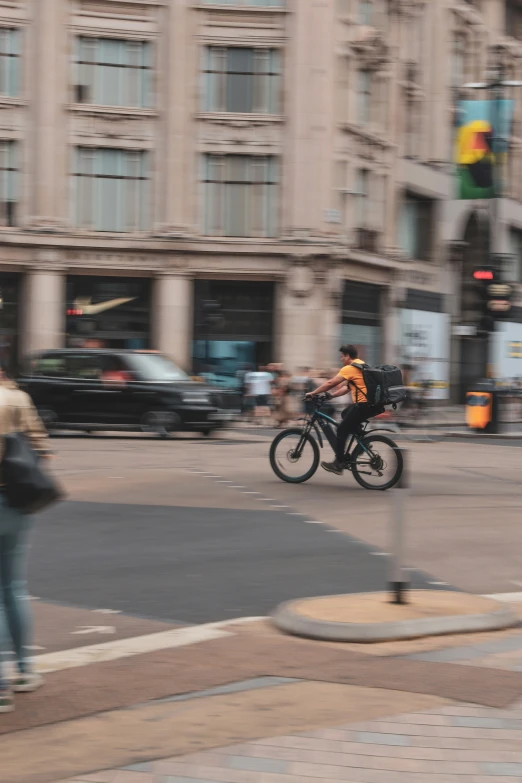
[507, 350]
[108, 312]
[361, 319]
[233, 329]
[425, 341]
[9, 319]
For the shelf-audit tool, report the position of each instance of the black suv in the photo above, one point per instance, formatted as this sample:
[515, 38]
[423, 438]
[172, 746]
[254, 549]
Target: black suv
[89, 389]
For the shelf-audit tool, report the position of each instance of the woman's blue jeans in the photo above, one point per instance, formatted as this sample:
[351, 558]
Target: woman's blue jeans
[15, 609]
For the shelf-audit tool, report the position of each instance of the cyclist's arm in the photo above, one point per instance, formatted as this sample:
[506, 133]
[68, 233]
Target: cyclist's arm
[327, 385]
[340, 391]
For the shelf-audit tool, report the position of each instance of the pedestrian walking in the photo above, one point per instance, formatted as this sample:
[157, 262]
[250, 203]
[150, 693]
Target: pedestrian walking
[259, 391]
[282, 390]
[15, 608]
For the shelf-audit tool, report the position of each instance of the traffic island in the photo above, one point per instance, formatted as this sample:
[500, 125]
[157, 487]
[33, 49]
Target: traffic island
[372, 617]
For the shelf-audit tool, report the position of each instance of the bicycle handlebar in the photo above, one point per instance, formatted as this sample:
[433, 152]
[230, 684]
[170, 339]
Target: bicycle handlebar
[318, 400]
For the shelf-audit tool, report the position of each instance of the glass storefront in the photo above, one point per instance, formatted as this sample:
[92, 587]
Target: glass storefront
[361, 319]
[108, 312]
[233, 328]
[9, 317]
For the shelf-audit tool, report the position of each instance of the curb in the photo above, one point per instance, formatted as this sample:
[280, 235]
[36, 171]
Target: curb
[472, 435]
[287, 619]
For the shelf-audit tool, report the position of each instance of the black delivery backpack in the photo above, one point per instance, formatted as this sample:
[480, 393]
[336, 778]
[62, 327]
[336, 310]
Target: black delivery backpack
[384, 383]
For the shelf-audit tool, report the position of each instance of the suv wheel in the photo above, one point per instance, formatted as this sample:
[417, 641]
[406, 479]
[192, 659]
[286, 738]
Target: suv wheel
[159, 422]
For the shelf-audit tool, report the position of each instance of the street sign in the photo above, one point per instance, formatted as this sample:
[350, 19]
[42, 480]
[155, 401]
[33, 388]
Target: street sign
[464, 330]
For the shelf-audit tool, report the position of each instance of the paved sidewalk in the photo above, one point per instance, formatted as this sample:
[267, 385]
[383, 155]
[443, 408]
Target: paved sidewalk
[391, 737]
[451, 744]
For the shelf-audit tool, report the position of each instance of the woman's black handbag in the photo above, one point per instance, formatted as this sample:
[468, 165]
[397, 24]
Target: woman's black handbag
[27, 487]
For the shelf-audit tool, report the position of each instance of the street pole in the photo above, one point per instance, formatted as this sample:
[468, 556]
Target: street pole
[497, 91]
[496, 85]
[399, 582]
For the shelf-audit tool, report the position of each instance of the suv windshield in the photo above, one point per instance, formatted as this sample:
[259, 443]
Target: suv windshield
[155, 367]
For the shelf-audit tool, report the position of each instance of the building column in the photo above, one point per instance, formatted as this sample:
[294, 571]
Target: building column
[50, 75]
[299, 318]
[172, 317]
[44, 306]
[392, 301]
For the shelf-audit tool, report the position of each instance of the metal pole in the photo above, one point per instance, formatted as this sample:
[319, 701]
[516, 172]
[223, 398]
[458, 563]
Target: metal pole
[497, 149]
[399, 582]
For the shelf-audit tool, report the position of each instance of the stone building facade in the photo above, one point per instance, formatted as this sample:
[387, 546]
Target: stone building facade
[284, 165]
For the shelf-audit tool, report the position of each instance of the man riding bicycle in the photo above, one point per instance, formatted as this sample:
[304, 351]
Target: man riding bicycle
[349, 378]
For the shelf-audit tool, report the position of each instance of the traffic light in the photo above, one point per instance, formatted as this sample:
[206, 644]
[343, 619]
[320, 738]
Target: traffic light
[495, 296]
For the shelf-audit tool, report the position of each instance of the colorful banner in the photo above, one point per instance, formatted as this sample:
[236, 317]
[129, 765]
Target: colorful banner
[476, 137]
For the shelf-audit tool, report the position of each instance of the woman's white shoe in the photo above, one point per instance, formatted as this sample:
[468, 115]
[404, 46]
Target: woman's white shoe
[27, 683]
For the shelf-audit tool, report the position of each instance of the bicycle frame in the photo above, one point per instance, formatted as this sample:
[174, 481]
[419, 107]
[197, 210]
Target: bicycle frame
[319, 421]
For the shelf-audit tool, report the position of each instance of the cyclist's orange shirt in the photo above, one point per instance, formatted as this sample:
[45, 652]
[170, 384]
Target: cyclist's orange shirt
[355, 378]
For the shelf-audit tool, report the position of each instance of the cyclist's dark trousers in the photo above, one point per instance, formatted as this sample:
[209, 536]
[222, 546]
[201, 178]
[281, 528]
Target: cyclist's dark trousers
[353, 417]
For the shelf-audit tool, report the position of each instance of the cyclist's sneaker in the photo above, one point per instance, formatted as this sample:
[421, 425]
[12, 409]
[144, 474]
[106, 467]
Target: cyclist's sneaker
[333, 467]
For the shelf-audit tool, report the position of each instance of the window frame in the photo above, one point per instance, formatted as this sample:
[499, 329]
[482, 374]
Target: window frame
[256, 4]
[90, 198]
[258, 197]
[13, 61]
[364, 97]
[9, 181]
[262, 85]
[424, 221]
[89, 71]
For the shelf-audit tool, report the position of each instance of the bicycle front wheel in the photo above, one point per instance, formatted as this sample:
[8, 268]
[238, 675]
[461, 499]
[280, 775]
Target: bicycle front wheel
[377, 462]
[294, 456]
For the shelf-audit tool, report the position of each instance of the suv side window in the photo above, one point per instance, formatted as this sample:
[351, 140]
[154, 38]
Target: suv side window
[51, 365]
[84, 367]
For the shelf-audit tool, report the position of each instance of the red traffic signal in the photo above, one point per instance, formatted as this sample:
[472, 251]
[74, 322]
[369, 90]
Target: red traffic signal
[483, 274]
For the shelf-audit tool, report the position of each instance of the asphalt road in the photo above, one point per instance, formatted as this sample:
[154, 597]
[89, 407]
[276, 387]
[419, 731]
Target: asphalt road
[194, 565]
[195, 530]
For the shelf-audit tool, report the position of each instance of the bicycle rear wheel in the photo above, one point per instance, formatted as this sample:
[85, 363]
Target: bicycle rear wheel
[294, 456]
[377, 462]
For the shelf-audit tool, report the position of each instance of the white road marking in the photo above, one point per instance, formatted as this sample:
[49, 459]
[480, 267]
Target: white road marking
[249, 492]
[85, 629]
[510, 598]
[313, 522]
[280, 506]
[107, 611]
[438, 583]
[296, 514]
[380, 554]
[236, 486]
[138, 645]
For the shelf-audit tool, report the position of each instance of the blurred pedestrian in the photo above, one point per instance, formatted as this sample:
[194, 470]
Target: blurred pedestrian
[300, 384]
[259, 391]
[282, 389]
[17, 413]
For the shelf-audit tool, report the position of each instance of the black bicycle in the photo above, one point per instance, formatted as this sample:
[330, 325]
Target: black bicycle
[375, 461]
